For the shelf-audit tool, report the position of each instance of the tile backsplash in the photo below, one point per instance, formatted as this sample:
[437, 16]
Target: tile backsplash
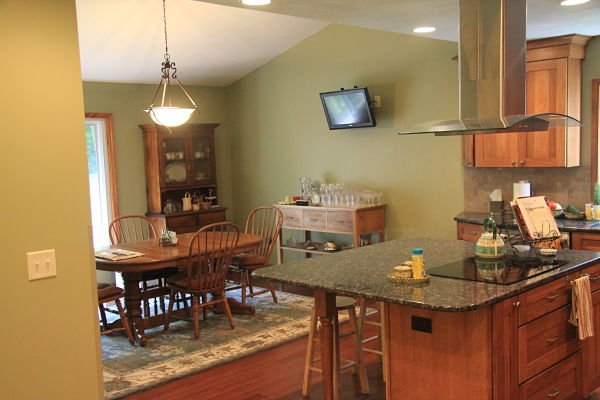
[564, 185]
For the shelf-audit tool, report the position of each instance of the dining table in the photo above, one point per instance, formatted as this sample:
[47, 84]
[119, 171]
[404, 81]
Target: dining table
[155, 257]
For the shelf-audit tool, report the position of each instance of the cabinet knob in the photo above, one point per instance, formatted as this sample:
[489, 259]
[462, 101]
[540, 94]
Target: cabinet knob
[513, 163]
[467, 163]
[516, 304]
[522, 162]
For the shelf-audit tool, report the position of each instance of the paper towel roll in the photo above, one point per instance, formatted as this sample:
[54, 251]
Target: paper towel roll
[521, 189]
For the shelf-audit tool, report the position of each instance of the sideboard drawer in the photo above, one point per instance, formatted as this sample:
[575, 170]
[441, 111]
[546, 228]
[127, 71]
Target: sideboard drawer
[181, 222]
[537, 302]
[339, 221]
[313, 220]
[292, 218]
[561, 382]
[211, 218]
[546, 341]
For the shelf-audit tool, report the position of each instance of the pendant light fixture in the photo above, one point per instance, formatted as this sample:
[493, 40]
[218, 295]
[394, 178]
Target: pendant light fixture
[166, 113]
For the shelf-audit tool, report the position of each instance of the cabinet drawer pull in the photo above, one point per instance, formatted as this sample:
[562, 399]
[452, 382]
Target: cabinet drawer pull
[554, 394]
[517, 304]
[313, 220]
[552, 340]
[594, 278]
[552, 297]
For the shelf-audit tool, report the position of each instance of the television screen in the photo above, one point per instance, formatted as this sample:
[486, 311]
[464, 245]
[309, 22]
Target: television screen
[348, 108]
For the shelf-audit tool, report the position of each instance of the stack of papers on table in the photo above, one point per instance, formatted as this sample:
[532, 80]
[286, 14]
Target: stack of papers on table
[117, 254]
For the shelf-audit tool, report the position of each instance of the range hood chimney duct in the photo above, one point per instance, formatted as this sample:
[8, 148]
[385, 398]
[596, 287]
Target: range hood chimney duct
[492, 52]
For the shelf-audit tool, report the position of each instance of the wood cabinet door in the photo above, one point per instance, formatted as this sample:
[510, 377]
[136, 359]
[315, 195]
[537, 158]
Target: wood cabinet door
[546, 92]
[591, 351]
[497, 150]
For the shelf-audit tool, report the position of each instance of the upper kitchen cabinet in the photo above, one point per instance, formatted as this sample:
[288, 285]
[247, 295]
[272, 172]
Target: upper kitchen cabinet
[553, 84]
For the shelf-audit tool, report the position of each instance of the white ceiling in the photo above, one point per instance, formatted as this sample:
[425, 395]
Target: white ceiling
[216, 42]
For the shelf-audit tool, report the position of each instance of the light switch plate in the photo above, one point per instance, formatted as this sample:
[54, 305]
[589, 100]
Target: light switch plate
[376, 101]
[41, 264]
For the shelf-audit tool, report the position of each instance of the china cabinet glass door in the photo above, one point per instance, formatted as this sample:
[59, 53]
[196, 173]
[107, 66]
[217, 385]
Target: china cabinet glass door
[175, 170]
[202, 159]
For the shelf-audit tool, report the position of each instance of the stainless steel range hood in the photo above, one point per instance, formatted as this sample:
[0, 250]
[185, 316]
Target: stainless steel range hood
[492, 50]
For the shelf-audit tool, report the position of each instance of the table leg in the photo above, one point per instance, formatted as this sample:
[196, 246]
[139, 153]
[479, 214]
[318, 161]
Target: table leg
[325, 306]
[133, 301]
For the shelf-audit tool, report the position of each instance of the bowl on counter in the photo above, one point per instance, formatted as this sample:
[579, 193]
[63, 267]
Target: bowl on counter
[569, 215]
[557, 213]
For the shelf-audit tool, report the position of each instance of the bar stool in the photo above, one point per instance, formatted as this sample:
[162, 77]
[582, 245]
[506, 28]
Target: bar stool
[366, 311]
[342, 303]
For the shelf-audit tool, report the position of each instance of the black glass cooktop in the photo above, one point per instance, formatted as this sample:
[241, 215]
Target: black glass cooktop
[502, 271]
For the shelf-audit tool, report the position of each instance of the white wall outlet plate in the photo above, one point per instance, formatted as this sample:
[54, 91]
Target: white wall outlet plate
[376, 101]
[41, 264]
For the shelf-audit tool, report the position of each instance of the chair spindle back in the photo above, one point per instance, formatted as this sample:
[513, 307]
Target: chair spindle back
[209, 257]
[131, 228]
[265, 222]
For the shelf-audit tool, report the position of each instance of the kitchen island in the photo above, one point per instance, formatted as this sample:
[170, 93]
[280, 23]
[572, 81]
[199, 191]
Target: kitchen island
[458, 339]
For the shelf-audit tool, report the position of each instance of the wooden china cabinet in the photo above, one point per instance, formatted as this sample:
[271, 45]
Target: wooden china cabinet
[177, 162]
[553, 84]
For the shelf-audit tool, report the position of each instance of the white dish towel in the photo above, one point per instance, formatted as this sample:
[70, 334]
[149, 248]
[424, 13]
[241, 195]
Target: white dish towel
[581, 311]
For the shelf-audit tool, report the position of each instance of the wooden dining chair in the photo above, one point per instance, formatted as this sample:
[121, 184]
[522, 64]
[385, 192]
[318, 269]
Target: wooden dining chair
[209, 256]
[132, 228]
[265, 222]
[109, 293]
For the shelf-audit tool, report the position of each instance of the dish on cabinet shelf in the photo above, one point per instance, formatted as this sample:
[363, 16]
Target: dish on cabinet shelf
[176, 172]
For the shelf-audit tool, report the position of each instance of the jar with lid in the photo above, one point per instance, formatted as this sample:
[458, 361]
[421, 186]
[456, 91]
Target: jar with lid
[417, 263]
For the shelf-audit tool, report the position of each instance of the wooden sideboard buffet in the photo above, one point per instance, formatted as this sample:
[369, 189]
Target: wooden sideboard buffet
[553, 84]
[177, 162]
[343, 220]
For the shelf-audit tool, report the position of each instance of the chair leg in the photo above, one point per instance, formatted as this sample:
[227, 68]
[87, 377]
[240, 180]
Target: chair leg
[172, 301]
[125, 322]
[273, 292]
[227, 310]
[196, 315]
[244, 278]
[310, 352]
[103, 315]
[204, 311]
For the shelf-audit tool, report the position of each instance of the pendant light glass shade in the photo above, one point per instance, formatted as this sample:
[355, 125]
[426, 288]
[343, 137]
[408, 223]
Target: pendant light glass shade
[167, 114]
[170, 116]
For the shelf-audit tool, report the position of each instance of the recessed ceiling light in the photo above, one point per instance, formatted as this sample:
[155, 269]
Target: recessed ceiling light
[256, 2]
[572, 2]
[424, 29]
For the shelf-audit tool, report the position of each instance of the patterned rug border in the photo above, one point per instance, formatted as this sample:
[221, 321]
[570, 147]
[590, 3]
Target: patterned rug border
[159, 373]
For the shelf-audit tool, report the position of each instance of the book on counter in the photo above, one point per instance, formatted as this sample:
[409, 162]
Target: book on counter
[535, 218]
[117, 254]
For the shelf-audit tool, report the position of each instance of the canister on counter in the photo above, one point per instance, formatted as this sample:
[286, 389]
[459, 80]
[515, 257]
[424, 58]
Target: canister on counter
[417, 263]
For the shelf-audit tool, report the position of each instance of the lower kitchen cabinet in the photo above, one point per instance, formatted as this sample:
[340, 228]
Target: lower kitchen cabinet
[585, 241]
[522, 348]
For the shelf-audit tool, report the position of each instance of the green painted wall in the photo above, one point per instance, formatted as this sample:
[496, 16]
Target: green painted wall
[590, 70]
[126, 102]
[279, 132]
[50, 339]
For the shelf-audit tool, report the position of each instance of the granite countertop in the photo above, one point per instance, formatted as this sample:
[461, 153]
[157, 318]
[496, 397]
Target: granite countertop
[363, 272]
[566, 225]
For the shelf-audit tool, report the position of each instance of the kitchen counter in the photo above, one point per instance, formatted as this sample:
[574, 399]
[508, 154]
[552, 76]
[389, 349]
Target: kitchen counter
[452, 338]
[362, 272]
[564, 225]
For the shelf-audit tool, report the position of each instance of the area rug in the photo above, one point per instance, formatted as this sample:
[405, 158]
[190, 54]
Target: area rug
[174, 354]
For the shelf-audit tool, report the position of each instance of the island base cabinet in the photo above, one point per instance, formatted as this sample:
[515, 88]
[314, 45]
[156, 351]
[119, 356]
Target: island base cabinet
[591, 351]
[439, 355]
[561, 382]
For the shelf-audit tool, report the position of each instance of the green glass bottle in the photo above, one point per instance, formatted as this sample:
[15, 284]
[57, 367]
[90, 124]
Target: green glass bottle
[597, 193]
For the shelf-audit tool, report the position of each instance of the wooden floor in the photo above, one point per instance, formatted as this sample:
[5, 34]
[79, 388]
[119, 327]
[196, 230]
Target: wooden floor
[268, 375]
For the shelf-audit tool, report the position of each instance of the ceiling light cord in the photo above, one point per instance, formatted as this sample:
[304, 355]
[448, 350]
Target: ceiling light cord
[167, 55]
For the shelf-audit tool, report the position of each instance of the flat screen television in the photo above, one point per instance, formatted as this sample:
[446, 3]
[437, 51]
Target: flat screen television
[350, 108]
